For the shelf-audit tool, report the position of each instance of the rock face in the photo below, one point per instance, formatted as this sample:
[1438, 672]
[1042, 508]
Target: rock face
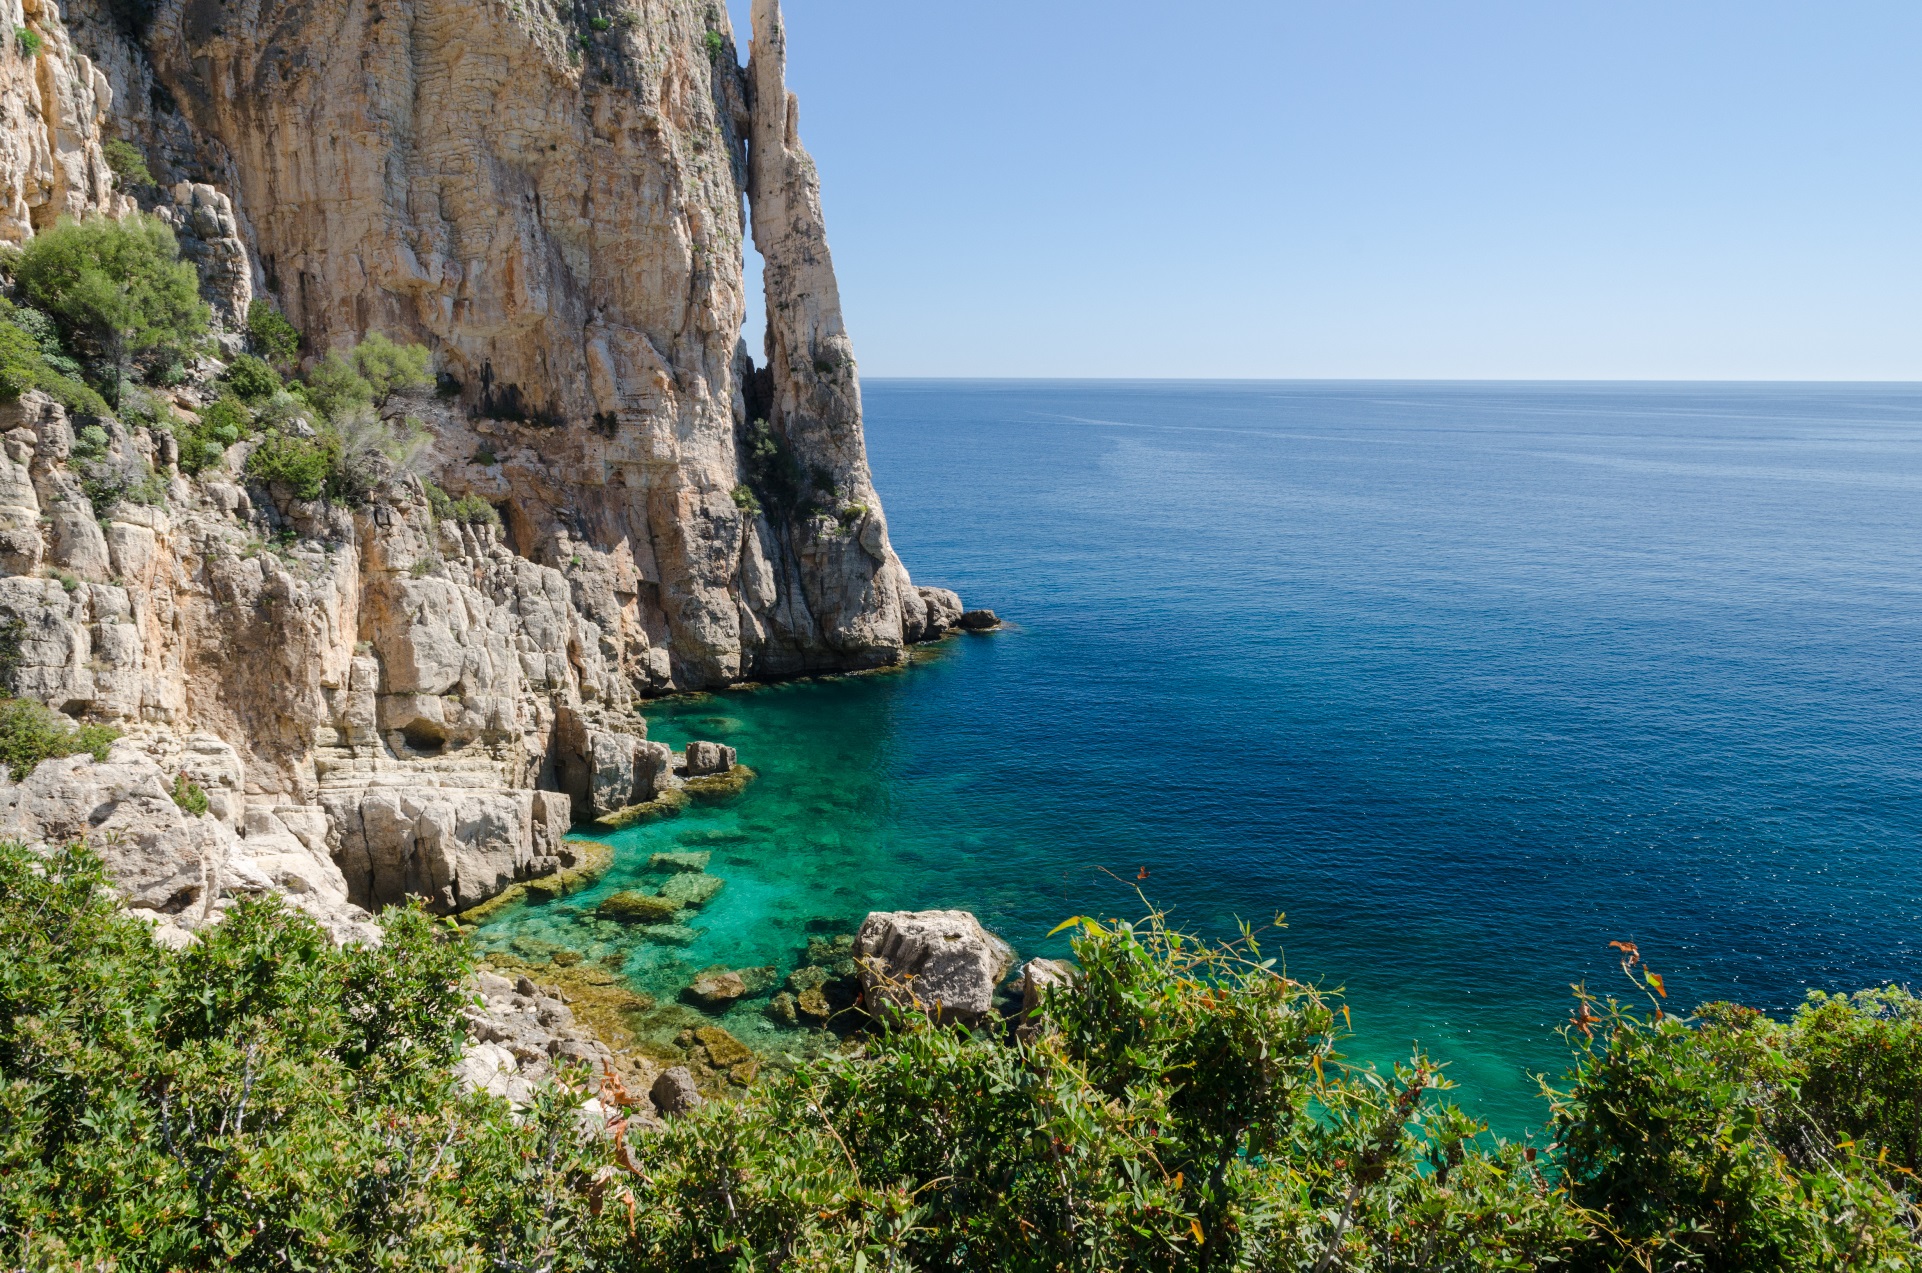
[54, 111]
[943, 961]
[557, 212]
[175, 869]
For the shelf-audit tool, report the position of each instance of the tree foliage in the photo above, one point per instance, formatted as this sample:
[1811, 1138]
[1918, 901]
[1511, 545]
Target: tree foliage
[118, 290]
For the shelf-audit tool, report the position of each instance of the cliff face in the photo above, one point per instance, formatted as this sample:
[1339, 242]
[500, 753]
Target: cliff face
[553, 204]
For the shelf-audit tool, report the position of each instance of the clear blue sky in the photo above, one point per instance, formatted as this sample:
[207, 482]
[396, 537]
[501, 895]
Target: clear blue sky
[1363, 188]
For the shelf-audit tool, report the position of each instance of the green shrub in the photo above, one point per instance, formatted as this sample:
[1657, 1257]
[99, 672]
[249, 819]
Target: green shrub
[347, 460]
[302, 465]
[118, 290]
[28, 41]
[265, 1099]
[128, 164]
[204, 442]
[469, 509]
[31, 358]
[261, 1099]
[714, 42]
[1691, 1137]
[270, 334]
[189, 795]
[745, 500]
[31, 733]
[335, 387]
[252, 378]
[389, 368]
[600, 23]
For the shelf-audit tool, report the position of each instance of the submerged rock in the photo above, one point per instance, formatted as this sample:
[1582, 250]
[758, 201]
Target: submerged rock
[692, 891]
[942, 961]
[783, 1010]
[669, 934]
[678, 861]
[717, 987]
[632, 907]
[713, 788]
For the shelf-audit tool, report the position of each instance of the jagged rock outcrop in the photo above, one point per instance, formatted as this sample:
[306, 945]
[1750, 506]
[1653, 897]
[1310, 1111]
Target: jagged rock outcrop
[54, 108]
[554, 205]
[552, 201]
[177, 869]
[942, 961]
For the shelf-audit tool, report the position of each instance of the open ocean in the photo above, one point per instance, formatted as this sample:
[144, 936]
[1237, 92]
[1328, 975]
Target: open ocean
[1466, 679]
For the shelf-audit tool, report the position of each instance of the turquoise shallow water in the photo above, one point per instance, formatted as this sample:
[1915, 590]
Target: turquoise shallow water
[1467, 679]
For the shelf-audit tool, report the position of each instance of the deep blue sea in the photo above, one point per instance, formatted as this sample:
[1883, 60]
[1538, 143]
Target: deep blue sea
[1467, 680]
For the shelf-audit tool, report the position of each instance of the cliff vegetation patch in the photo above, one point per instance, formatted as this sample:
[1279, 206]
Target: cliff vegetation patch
[31, 733]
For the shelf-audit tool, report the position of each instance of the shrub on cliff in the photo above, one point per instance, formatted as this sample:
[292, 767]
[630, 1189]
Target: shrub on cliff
[270, 335]
[31, 357]
[367, 375]
[31, 733]
[119, 291]
[204, 441]
[130, 171]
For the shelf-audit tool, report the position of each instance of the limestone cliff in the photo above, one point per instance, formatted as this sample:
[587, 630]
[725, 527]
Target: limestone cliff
[553, 202]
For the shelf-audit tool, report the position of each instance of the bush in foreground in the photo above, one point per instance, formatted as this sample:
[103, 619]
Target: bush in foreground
[264, 1100]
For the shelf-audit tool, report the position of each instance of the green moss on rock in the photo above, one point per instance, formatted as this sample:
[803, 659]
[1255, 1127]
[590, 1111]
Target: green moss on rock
[630, 906]
[691, 891]
[714, 788]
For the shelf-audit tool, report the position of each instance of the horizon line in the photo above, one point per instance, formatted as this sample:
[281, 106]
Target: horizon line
[1376, 380]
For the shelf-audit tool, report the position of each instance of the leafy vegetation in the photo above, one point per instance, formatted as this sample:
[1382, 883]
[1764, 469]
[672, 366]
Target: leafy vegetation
[204, 442]
[302, 465]
[129, 166]
[32, 357]
[253, 379]
[28, 41]
[266, 1100]
[470, 510]
[118, 290]
[31, 733]
[189, 795]
[353, 448]
[271, 335]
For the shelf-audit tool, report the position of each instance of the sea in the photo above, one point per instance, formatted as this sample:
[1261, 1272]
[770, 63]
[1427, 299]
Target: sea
[1439, 688]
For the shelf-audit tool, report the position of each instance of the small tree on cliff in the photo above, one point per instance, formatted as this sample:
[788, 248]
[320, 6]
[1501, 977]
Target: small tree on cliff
[119, 291]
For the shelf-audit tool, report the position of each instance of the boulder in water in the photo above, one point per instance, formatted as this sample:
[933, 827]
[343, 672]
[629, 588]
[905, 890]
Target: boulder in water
[943, 962]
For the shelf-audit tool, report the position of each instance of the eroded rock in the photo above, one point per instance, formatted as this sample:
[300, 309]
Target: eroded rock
[942, 961]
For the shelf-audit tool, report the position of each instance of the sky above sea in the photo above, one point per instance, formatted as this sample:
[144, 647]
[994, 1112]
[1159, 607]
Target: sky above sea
[1390, 188]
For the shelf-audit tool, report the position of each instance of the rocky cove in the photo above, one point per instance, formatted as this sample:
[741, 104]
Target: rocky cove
[373, 698]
